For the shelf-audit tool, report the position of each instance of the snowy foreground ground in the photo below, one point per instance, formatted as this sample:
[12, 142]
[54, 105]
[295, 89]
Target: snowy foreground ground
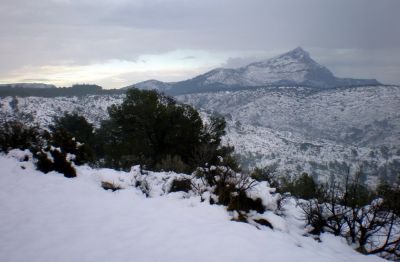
[46, 217]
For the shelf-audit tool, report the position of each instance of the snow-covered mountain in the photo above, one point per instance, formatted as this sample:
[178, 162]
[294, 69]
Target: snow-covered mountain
[294, 68]
[152, 85]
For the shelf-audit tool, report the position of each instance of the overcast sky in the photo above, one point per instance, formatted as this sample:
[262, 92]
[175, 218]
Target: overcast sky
[116, 43]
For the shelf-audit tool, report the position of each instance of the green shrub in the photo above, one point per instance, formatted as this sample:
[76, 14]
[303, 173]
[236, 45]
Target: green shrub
[266, 174]
[74, 135]
[181, 184]
[231, 189]
[303, 186]
[57, 162]
[174, 163]
[75, 125]
[16, 135]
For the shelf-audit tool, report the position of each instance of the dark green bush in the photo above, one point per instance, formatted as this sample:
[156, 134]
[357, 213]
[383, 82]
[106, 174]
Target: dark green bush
[77, 126]
[182, 184]
[303, 186]
[57, 162]
[174, 163]
[231, 189]
[74, 135]
[16, 135]
[266, 174]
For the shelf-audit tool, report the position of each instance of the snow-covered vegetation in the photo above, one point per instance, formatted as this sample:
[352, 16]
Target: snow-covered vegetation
[47, 217]
[151, 131]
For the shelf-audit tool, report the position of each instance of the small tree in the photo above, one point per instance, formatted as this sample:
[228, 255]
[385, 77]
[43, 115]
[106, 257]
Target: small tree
[304, 187]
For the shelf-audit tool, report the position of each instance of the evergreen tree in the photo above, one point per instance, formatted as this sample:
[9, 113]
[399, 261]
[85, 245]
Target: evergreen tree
[152, 129]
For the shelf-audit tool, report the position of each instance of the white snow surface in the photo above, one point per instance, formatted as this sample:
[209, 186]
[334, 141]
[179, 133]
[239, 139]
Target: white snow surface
[46, 217]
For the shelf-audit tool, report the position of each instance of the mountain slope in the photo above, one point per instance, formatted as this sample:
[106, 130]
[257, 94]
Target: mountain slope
[152, 85]
[359, 115]
[294, 68]
[47, 217]
[321, 132]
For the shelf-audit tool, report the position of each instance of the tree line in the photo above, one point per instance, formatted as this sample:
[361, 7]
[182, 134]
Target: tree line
[75, 90]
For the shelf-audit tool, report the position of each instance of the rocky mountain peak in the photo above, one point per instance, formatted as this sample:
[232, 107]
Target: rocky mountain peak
[293, 68]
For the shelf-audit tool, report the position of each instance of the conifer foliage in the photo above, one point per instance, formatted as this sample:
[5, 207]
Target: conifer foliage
[154, 130]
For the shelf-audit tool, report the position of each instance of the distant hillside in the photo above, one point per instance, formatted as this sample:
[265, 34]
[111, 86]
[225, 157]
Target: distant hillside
[322, 132]
[42, 90]
[27, 85]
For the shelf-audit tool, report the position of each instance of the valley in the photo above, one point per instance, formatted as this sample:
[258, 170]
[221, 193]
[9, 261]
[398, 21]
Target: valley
[326, 133]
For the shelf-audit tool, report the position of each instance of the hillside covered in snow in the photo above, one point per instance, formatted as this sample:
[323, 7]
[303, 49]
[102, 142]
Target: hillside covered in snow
[47, 217]
[293, 130]
[323, 132]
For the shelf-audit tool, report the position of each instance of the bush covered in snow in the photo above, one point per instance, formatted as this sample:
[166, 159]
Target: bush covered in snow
[53, 151]
[368, 219]
[16, 135]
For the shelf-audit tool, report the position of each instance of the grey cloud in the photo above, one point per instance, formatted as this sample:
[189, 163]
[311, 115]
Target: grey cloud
[189, 57]
[30, 80]
[50, 32]
[236, 62]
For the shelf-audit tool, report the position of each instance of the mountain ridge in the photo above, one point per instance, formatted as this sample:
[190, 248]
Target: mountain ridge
[293, 68]
[27, 85]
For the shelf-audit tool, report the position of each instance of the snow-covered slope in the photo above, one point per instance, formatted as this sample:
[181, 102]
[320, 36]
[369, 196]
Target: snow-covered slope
[46, 217]
[294, 68]
[152, 85]
[360, 115]
[322, 132]
[42, 110]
